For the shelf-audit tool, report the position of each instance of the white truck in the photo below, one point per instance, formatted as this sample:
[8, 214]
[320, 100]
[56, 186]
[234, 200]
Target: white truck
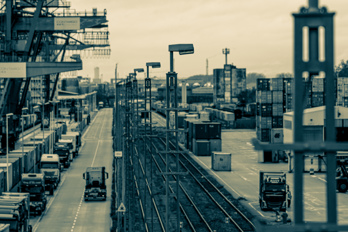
[50, 167]
[74, 136]
[70, 144]
[95, 188]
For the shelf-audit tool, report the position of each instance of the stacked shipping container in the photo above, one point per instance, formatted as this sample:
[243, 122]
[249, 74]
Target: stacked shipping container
[202, 137]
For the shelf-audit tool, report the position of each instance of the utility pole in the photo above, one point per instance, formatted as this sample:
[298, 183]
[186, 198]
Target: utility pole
[206, 68]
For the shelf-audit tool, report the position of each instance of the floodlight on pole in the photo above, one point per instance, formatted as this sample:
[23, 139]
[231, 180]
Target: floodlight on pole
[7, 175]
[172, 102]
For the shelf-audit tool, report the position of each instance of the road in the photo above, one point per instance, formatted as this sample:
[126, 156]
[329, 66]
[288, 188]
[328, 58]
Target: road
[67, 210]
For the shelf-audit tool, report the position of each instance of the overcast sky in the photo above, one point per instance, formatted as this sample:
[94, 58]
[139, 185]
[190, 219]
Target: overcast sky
[259, 34]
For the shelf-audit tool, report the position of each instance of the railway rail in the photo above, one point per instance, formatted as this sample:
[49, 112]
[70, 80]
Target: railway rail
[203, 205]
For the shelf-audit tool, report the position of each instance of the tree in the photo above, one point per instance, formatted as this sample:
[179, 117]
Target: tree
[284, 75]
[342, 69]
[252, 78]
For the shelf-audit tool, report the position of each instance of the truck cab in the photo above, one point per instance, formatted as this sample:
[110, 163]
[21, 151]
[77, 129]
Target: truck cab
[50, 167]
[34, 184]
[76, 138]
[70, 144]
[101, 105]
[95, 188]
[273, 191]
[62, 149]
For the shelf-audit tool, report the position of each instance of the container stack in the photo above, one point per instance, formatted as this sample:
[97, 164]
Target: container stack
[342, 91]
[317, 98]
[271, 98]
[202, 137]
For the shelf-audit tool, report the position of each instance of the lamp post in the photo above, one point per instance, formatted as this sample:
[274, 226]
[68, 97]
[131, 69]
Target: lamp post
[148, 112]
[172, 104]
[7, 176]
[23, 116]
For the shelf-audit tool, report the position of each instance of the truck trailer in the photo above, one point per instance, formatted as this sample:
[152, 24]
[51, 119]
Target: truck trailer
[15, 211]
[62, 149]
[273, 191]
[95, 188]
[50, 167]
[34, 184]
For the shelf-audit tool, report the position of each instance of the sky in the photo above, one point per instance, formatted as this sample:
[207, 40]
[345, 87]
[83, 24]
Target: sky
[259, 34]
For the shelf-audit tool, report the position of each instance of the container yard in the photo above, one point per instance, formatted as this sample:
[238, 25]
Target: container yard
[257, 143]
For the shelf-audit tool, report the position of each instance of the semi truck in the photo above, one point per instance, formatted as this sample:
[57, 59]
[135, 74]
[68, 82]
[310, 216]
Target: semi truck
[15, 211]
[75, 137]
[50, 167]
[70, 144]
[273, 191]
[34, 184]
[62, 149]
[95, 188]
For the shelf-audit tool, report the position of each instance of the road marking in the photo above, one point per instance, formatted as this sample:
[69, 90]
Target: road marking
[256, 209]
[36, 226]
[83, 192]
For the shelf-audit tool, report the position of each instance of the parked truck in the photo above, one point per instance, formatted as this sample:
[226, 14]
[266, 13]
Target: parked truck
[15, 211]
[50, 167]
[273, 191]
[70, 144]
[341, 176]
[62, 149]
[34, 184]
[74, 136]
[95, 188]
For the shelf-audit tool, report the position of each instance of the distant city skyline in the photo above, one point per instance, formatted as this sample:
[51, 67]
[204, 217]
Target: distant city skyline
[258, 33]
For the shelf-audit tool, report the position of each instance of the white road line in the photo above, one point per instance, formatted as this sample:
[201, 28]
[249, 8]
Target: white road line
[36, 226]
[83, 192]
[256, 209]
[95, 154]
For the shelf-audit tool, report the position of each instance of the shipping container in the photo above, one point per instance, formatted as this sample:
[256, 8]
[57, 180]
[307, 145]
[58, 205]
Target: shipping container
[317, 99]
[38, 149]
[263, 84]
[277, 109]
[204, 116]
[277, 122]
[201, 147]
[200, 130]
[266, 110]
[228, 116]
[214, 130]
[2, 181]
[277, 97]
[265, 135]
[277, 135]
[318, 85]
[215, 145]
[30, 158]
[221, 161]
[276, 84]
[265, 122]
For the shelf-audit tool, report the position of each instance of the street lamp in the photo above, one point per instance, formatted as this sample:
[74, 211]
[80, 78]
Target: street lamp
[148, 112]
[171, 86]
[7, 175]
[23, 116]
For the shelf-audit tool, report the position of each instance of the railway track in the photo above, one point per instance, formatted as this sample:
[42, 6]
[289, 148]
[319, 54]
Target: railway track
[202, 204]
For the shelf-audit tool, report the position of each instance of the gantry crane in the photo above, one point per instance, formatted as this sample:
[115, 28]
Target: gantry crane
[34, 39]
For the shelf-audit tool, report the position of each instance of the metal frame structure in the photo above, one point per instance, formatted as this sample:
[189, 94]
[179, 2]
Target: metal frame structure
[172, 105]
[148, 138]
[313, 18]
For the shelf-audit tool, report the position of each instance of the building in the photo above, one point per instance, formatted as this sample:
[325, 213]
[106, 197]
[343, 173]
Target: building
[229, 82]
